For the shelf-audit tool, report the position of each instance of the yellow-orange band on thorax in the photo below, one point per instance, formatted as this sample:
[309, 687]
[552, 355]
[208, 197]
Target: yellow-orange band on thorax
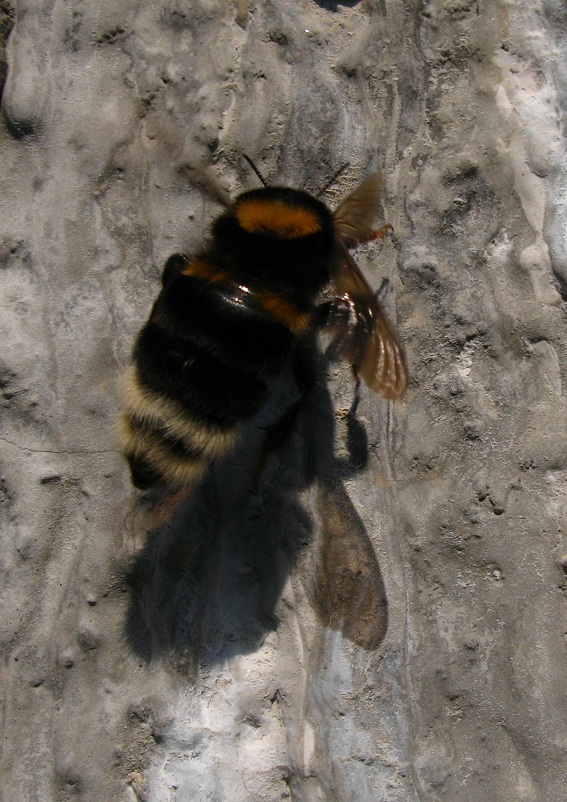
[275, 304]
[285, 311]
[200, 268]
[265, 216]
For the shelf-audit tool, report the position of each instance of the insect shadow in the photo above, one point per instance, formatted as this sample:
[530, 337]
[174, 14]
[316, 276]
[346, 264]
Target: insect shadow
[207, 584]
[333, 5]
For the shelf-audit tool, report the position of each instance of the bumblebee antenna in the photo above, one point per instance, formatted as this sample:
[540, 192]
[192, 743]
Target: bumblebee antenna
[258, 173]
[333, 179]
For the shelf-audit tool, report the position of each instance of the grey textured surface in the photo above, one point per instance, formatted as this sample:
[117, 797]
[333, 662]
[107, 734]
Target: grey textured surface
[185, 653]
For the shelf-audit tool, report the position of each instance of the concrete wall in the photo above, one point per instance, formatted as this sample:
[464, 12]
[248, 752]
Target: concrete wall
[227, 646]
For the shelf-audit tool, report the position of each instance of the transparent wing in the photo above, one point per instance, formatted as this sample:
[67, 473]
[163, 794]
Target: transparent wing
[364, 337]
[354, 219]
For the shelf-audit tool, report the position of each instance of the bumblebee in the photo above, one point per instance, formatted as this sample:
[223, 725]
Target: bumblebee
[229, 319]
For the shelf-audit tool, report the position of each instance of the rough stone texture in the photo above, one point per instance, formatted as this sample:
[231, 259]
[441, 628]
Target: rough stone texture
[226, 647]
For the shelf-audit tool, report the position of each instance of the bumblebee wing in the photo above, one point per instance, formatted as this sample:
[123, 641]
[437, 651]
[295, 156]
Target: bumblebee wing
[353, 220]
[383, 365]
[364, 337]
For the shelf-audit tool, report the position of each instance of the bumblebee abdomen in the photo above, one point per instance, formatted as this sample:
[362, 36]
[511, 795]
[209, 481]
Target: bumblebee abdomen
[201, 365]
[162, 440]
[211, 390]
[238, 326]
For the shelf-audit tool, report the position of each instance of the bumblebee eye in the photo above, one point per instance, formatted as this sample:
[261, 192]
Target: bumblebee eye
[269, 216]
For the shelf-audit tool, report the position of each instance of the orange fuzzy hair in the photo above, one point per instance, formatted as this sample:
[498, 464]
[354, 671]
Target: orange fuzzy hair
[263, 216]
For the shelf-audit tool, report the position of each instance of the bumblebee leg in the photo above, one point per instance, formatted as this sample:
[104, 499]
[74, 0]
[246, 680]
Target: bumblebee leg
[174, 265]
[379, 233]
[339, 307]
